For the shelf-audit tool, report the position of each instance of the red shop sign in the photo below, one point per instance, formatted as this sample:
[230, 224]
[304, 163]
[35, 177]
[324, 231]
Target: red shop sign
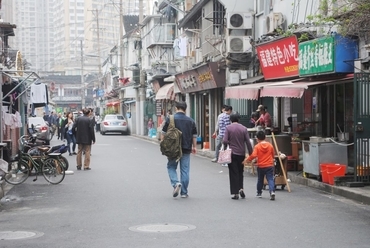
[279, 59]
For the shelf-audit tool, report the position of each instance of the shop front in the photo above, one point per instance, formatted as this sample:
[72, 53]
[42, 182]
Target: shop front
[320, 104]
[203, 88]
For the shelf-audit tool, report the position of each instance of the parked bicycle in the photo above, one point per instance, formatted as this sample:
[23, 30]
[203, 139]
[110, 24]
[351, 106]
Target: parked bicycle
[50, 165]
[32, 141]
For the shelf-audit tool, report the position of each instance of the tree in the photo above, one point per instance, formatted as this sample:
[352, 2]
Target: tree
[347, 17]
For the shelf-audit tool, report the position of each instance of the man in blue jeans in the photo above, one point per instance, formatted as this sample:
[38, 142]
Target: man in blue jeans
[188, 144]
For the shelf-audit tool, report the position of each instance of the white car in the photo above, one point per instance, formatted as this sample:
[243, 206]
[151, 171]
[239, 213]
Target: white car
[114, 124]
[41, 127]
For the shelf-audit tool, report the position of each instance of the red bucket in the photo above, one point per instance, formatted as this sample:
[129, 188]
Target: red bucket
[335, 171]
[324, 172]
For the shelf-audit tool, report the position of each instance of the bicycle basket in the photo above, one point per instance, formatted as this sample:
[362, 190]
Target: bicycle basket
[21, 143]
[3, 165]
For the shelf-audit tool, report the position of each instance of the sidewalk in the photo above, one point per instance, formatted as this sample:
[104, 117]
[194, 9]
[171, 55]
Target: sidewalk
[360, 194]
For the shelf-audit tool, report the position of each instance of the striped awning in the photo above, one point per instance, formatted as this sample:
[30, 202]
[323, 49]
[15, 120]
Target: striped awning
[113, 103]
[166, 92]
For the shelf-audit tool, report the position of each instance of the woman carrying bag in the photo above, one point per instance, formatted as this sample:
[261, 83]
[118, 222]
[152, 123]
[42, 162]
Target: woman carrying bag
[70, 135]
[236, 137]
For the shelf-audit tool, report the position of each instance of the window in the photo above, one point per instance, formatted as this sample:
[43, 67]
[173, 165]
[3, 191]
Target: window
[260, 6]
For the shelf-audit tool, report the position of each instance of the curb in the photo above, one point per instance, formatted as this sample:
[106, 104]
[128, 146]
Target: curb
[355, 194]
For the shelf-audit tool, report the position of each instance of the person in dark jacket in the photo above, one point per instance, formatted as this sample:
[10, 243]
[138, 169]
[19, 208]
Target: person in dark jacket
[85, 137]
[237, 137]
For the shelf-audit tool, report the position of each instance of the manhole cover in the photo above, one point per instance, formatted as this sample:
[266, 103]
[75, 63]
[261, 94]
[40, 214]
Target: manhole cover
[9, 235]
[161, 228]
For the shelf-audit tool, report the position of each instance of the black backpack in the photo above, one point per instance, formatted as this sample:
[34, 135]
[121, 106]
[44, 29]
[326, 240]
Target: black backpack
[171, 144]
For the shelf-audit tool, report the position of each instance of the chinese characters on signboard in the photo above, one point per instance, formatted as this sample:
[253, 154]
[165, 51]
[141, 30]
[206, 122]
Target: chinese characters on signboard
[316, 56]
[279, 59]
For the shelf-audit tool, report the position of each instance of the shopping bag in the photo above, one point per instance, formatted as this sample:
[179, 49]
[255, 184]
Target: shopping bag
[224, 156]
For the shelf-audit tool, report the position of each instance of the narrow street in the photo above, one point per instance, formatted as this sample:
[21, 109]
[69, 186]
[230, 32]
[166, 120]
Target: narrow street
[126, 201]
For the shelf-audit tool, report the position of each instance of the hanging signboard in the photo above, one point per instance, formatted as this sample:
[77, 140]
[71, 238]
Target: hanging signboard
[329, 54]
[279, 59]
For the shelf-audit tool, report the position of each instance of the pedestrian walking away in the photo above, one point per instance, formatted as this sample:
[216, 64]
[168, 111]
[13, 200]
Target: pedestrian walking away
[188, 145]
[215, 134]
[264, 152]
[85, 137]
[237, 137]
[71, 139]
[223, 122]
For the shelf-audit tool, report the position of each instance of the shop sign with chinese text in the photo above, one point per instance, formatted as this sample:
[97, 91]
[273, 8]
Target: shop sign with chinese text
[330, 54]
[279, 59]
[316, 56]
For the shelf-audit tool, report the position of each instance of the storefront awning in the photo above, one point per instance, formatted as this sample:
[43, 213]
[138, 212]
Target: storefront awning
[113, 103]
[295, 88]
[252, 80]
[166, 92]
[247, 91]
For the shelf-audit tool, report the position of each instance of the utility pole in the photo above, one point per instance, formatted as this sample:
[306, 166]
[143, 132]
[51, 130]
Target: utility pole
[121, 38]
[82, 76]
[98, 36]
[141, 91]
[97, 85]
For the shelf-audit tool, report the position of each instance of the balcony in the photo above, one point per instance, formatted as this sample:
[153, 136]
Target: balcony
[161, 35]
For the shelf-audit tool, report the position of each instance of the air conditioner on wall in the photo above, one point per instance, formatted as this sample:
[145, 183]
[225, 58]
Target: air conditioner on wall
[237, 20]
[234, 78]
[273, 21]
[238, 44]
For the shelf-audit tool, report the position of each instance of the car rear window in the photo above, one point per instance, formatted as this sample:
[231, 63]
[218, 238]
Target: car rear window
[110, 117]
[36, 121]
[114, 117]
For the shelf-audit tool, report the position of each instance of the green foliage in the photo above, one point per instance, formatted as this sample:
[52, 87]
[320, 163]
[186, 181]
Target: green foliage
[347, 18]
[108, 112]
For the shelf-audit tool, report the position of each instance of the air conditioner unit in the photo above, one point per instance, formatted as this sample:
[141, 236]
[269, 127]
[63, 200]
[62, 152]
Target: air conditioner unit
[273, 21]
[239, 20]
[234, 78]
[238, 44]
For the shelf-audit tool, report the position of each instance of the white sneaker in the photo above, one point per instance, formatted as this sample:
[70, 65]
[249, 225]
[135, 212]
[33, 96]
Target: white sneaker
[176, 190]
[185, 196]
[225, 165]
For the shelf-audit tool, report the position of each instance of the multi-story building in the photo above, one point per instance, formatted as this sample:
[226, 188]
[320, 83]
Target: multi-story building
[35, 33]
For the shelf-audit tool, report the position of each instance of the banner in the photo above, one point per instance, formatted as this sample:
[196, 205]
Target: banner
[279, 59]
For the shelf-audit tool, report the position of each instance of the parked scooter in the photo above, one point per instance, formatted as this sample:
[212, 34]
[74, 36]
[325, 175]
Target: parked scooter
[33, 142]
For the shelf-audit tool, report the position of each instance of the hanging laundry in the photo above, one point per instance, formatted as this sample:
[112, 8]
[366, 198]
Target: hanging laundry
[18, 119]
[176, 48]
[39, 93]
[183, 46]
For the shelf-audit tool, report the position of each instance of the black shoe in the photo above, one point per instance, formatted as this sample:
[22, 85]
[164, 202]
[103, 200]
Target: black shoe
[70, 154]
[78, 167]
[88, 168]
[242, 195]
[272, 196]
[235, 197]
[74, 153]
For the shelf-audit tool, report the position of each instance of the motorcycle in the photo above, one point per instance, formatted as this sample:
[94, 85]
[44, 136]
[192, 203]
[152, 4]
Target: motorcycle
[33, 142]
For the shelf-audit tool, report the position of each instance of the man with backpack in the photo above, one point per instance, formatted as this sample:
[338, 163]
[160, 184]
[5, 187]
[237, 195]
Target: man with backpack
[186, 136]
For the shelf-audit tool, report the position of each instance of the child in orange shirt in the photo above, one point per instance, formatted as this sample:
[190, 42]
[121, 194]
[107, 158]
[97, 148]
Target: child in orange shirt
[264, 152]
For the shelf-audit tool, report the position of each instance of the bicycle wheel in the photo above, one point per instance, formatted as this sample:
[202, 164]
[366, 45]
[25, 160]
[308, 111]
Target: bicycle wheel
[53, 171]
[64, 162]
[18, 172]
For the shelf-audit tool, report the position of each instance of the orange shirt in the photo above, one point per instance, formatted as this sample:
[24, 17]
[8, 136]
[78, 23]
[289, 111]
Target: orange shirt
[264, 152]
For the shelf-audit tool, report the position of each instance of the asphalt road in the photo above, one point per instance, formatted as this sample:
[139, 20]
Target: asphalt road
[126, 201]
